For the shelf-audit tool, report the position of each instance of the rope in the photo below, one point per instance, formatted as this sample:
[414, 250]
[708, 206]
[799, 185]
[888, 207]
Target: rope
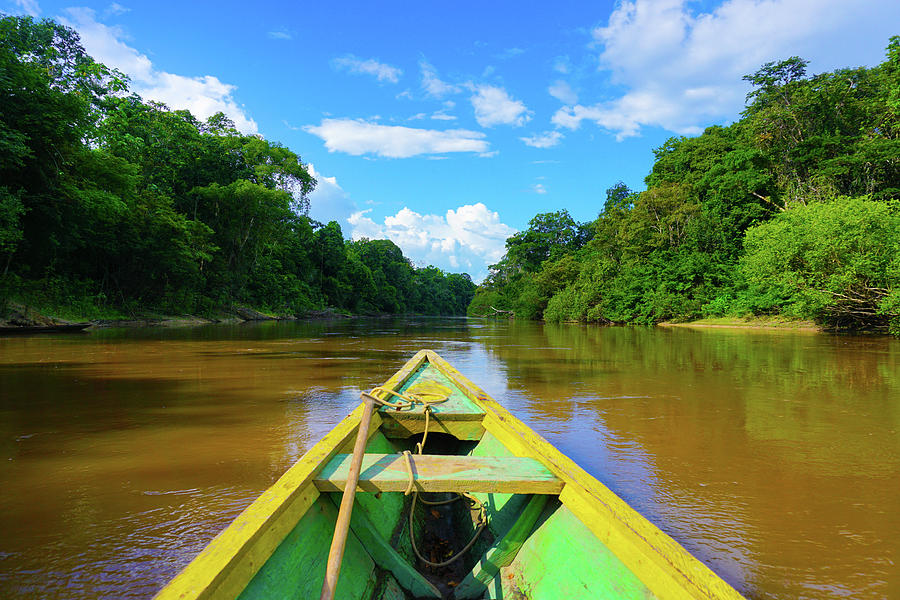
[409, 400]
[421, 445]
[455, 557]
[409, 473]
[405, 400]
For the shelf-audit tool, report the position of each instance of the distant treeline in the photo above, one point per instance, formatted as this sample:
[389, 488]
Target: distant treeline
[110, 201]
[793, 210]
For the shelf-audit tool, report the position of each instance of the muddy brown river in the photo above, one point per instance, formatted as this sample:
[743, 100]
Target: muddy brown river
[773, 456]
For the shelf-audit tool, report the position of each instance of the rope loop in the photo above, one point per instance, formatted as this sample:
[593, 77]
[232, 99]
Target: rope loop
[408, 400]
[481, 525]
[409, 473]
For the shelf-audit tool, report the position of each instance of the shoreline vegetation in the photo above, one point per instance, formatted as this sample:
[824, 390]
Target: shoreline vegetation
[16, 315]
[117, 209]
[25, 317]
[114, 208]
[789, 215]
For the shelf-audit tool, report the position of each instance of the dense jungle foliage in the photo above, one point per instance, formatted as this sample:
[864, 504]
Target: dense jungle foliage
[110, 201]
[793, 210]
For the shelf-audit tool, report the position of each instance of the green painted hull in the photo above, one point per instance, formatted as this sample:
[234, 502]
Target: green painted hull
[582, 542]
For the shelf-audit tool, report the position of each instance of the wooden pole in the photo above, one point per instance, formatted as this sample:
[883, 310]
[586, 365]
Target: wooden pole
[336, 554]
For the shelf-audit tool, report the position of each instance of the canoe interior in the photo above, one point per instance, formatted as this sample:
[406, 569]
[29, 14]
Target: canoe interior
[561, 558]
[553, 531]
[561, 554]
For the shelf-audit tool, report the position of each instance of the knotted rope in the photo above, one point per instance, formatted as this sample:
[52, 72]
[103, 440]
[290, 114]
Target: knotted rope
[409, 400]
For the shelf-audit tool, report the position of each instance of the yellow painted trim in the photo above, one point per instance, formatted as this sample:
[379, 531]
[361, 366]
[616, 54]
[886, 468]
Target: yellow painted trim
[257, 553]
[665, 567]
[641, 558]
[399, 378]
[233, 557]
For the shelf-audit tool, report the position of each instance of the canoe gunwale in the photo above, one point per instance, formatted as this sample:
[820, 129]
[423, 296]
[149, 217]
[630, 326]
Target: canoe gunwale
[225, 566]
[234, 556]
[667, 569]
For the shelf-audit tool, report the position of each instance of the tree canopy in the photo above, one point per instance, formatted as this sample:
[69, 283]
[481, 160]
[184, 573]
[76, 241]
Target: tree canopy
[790, 210]
[132, 205]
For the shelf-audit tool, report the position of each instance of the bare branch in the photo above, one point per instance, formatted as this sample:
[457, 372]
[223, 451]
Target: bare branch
[767, 199]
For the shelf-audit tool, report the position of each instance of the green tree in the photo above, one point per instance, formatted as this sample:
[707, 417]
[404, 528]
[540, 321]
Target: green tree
[248, 222]
[462, 290]
[131, 203]
[329, 256]
[837, 262]
[392, 274]
[50, 92]
[549, 235]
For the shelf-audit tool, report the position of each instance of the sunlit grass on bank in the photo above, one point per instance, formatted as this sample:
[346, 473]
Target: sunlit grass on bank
[763, 322]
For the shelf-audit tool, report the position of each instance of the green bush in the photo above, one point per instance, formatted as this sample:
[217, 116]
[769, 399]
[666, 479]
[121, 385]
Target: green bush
[836, 262]
[567, 305]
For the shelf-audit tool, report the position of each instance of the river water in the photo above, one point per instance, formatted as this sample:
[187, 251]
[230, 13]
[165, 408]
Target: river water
[773, 456]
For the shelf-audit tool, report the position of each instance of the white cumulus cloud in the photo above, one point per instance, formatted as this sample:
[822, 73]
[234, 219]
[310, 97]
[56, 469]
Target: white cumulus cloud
[469, 238]
[562, 64]
[203, 96]
[493, 106]
[442, 115]
[358, 137]
[563, 92]
[681, 69]
[432, 84]
[329, 201]
[370, 66]
[548, 139]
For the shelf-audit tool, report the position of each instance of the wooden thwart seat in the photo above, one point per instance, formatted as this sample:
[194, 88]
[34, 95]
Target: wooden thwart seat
[440, 473]
[462, 425]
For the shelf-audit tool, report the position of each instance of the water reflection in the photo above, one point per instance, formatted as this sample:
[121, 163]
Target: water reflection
[773, 456]
[764, 453]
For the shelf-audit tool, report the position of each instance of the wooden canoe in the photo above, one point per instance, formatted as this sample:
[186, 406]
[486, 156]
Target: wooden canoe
[553, 530]
[29, 329]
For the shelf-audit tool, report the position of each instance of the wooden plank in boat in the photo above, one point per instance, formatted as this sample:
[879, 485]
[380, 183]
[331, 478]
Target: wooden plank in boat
[428, 379]
[463, 426]
[440, 473]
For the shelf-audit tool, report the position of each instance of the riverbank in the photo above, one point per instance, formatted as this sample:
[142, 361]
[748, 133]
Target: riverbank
[770, 322]
[19, 316]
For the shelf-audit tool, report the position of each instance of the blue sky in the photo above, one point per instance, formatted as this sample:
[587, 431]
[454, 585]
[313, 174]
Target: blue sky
[447, 126]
